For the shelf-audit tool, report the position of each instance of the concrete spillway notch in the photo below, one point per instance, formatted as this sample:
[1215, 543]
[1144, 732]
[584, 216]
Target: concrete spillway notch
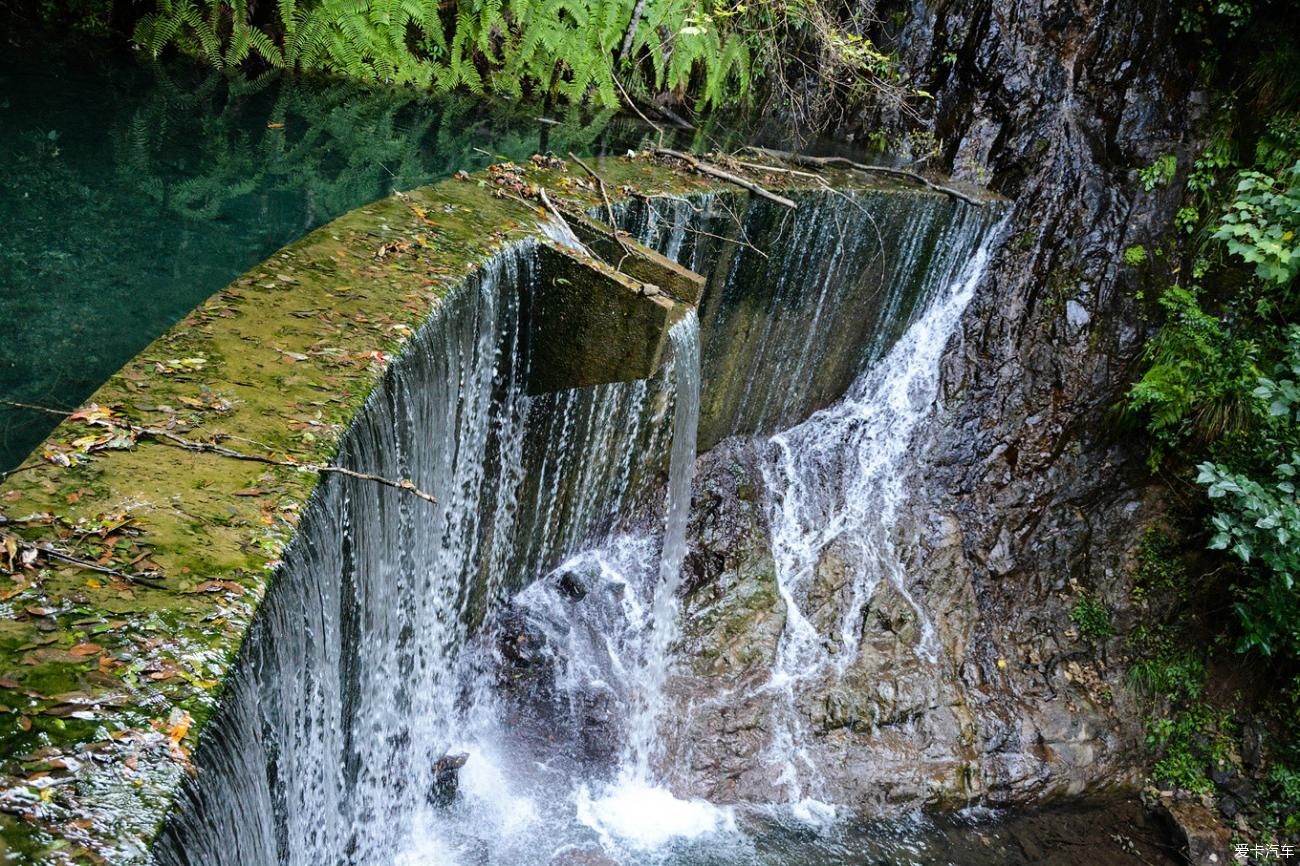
[592, 323]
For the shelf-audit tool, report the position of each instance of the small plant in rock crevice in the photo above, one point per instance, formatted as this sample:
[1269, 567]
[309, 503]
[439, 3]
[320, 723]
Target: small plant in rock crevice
[1091, 616]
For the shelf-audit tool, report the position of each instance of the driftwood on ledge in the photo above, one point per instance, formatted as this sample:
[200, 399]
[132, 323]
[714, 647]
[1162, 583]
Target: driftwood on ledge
[720, 174]
[840, 161]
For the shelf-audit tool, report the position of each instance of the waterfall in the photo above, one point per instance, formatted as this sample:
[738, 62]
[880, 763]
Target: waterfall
[349, 685]
[530, 619]
[643, 730]
[837, 480]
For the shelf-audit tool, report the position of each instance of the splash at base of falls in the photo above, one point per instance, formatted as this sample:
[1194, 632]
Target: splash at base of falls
[571, 733]
[646, 817]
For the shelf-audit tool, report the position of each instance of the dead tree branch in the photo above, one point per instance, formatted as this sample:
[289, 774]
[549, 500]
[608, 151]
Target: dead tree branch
[167, 437]
[832, 161]
[714, 171]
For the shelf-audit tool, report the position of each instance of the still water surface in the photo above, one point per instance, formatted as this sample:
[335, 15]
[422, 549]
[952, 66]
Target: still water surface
[130, 193]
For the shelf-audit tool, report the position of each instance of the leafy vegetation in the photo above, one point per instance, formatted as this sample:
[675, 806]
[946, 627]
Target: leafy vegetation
[1159, 173]
[1257, 513]
[1219, 400]
[601, 52]
[1262, 222]
[1222, 374]
[1091, 616]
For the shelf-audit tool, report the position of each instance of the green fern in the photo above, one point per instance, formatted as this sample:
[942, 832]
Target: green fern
[538, 47]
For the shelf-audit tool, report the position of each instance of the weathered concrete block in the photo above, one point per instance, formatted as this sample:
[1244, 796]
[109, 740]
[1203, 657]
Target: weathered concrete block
[590, 325]
[637, 261]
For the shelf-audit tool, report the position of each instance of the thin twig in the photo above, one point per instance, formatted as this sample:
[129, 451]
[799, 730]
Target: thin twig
[802, 159]
[714, 171]
[52, 552]
[758, 166]
[600, 182]
[555, 212]
[609, 208]
[38, 519]
[34, 408]
[169, 438]
[626, 98]
[701, 232]
[676, 119]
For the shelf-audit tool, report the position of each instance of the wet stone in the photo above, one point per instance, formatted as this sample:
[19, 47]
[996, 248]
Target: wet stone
[446, 779]
[572, 587]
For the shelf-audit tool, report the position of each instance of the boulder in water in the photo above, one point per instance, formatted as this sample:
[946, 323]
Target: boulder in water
[446, 779]
[571, 586]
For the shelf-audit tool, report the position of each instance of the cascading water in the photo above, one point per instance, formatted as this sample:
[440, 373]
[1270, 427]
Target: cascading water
[643, 732]
[837, 479]
[348, 691]
[368, 662]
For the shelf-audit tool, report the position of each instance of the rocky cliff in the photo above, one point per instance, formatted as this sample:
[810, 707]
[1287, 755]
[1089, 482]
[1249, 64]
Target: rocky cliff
[1022, 497]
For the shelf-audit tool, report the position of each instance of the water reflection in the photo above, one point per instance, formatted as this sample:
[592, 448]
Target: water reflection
[130, 193]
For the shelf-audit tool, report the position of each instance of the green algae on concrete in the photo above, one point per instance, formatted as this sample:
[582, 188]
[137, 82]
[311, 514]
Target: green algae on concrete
[590, 325]
[106, 681]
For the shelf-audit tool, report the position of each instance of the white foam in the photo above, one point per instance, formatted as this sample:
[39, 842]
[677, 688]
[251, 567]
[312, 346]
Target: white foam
[485, 784]
[814, 813]
[646, 817]
[425, 847]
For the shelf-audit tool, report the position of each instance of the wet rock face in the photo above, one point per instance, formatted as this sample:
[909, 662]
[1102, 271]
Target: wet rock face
[1056, 104]
[579, 722]
[897, 725]
[1022, 494]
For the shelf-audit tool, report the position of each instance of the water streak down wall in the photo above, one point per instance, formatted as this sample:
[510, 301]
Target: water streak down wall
[786, 333]
[344, 695]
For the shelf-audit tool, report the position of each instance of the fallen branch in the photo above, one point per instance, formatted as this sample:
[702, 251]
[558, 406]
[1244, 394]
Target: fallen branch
[49, 551]
[613, 74]
[673, 117]
[53, 552]
[600, 182]
[169, 438]
[714, 171]
[758, 166]
[830, 161]
[555, 212]
[737, 241]
[34, 408]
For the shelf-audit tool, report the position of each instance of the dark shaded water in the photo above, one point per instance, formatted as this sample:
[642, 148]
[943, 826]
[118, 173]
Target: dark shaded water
[129, 194]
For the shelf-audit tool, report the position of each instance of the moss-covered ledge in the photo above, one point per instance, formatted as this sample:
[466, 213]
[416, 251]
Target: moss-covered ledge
[109, 671]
